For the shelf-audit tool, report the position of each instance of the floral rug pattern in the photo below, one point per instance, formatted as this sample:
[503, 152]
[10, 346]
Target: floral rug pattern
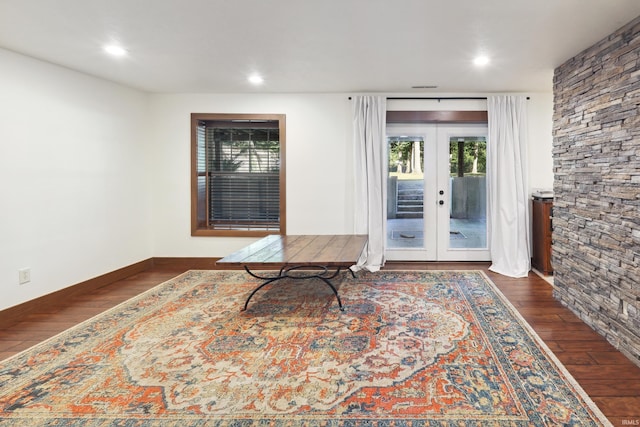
[418, 348]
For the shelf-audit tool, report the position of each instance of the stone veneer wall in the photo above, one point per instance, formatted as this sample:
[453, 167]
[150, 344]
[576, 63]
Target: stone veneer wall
[596, 150]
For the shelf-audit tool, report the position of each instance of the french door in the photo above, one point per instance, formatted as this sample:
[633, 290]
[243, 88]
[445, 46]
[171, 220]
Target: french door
[437, 193]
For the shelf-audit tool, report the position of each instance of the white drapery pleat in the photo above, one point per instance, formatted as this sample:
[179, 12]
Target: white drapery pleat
[369, 130]
[509, 234]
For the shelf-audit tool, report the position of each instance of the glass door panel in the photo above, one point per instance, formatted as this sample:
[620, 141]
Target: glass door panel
[411, 233]
[468, 189]
[405, 201]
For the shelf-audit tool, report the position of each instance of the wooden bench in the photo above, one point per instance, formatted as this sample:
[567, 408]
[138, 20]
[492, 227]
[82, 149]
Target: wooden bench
[298, 257]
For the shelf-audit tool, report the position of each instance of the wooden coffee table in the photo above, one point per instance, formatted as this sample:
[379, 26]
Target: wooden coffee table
[298, 257]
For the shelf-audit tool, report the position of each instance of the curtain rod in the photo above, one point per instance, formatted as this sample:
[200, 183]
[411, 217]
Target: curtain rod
[440, 98]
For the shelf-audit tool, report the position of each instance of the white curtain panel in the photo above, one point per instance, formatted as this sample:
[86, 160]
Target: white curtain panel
[369, 135]
[509, 233]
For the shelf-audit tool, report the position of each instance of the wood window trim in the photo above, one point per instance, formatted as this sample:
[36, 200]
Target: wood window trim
[437, 116]
[196, 230]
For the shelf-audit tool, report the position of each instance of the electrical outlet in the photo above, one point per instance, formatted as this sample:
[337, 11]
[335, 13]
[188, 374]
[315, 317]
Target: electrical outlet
[24, 275]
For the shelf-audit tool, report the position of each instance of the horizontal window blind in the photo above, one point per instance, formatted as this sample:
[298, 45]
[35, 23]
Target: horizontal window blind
[245, 201]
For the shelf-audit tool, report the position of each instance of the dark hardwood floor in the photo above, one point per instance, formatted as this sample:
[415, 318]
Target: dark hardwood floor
[609, 378]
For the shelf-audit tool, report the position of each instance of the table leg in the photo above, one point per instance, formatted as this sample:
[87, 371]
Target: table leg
[333, 288]
[260, 287]
[284, 273]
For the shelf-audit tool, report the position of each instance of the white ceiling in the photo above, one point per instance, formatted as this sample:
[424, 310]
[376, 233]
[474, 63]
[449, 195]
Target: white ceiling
[313, 45]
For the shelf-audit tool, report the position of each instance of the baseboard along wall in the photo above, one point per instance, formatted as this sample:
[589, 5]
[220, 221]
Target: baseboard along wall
[16, 314]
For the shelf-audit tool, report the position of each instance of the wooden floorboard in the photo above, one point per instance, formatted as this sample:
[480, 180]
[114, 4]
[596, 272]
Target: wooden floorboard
[609, 378]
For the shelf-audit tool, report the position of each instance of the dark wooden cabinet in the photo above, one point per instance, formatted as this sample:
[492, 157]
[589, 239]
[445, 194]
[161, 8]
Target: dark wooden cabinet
[542, 225]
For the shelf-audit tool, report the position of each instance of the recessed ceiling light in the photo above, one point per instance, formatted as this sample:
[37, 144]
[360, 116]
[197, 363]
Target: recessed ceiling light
[115, 50]
[481, 60]
[256, 79]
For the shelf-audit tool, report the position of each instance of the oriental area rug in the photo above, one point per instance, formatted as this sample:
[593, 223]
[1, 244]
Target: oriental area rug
[414, 348]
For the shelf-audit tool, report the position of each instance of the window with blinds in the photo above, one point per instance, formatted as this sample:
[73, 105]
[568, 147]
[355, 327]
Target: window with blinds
[238, 174]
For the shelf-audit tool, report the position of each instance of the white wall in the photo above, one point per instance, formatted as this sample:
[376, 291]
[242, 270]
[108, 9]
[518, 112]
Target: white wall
[541, 141]
[319, 156]
[74, 182]
[319, 161]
